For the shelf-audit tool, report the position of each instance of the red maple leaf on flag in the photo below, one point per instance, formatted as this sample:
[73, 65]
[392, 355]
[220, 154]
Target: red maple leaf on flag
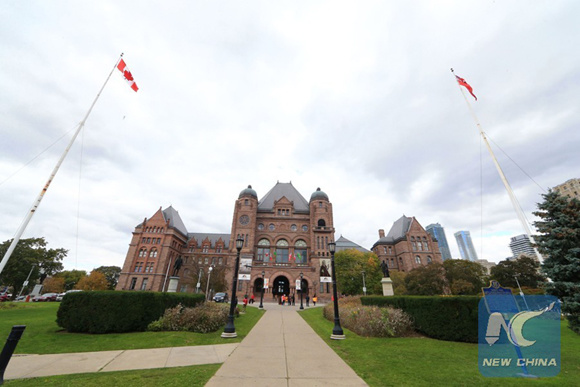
[122, 66]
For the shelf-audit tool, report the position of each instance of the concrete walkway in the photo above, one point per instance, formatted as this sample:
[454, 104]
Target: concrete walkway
[281, 350]
[32, 366]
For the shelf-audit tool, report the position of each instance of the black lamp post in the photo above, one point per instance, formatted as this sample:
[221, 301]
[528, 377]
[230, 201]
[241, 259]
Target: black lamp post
[262, 294]
[337, 333]
[230, 330]
[301, 291]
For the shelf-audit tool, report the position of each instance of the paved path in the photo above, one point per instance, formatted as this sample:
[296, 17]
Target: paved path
[281, 350]
[32, 366]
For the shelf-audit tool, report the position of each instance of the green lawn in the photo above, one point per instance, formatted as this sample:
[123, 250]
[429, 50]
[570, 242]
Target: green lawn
[43, 336]
[428, 362]
[180, 376]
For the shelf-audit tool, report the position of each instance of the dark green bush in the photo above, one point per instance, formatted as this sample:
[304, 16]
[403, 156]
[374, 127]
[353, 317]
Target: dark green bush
[445, 318]
[117, 311]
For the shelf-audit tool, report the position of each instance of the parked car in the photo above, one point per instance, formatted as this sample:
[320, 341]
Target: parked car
[46, 297]
[220, 297]
[5, 297]
[61, 295]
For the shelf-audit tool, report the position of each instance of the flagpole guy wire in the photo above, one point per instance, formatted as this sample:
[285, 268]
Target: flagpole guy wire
[508, 188]
[52, 176]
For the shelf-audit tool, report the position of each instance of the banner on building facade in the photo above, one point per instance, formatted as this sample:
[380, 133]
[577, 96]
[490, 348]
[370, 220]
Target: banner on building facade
[245, 269]
[298, 285]
[325, 275]
[266, 280]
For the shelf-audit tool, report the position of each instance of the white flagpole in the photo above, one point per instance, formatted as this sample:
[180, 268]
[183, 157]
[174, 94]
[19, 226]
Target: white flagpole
[52, 175]
[508, 188]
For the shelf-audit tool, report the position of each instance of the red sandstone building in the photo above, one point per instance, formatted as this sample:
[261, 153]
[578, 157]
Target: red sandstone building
[407, 246]
[284, 235]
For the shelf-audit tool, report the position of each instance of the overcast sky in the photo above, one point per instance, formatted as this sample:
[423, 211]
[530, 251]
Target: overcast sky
[356, 98]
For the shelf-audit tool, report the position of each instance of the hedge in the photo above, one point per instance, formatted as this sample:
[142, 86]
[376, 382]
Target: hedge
[451, 318]
[117, 311]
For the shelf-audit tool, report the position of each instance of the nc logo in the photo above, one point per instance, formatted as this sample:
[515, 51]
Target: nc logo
[514, 329]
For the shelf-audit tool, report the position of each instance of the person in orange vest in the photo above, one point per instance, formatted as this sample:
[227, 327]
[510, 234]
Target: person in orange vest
[314, 299]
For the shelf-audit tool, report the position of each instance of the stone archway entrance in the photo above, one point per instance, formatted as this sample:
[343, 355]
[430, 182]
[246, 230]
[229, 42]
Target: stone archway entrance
[281, 286]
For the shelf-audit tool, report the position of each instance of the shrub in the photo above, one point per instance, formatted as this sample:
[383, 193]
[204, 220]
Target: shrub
[452, 318]
[117, 311]
[202, 318]
[370, 321]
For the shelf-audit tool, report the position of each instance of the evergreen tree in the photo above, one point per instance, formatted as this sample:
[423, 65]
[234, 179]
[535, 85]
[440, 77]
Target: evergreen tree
[559, 243]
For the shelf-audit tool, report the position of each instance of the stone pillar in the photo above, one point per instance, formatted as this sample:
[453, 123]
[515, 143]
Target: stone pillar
[172, 287]
[387, 287]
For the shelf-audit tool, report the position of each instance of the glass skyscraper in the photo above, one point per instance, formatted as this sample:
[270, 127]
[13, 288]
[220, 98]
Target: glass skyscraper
[438, 233]
[465, 244]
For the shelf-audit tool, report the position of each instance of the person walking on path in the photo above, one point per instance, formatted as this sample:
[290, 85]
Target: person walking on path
[293, 299]
[245, 303]
[314, 299]
[252, 298]
[307, 300]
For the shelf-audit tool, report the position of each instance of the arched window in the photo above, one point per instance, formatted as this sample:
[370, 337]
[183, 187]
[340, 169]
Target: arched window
[429, 260]
[300, 251]
[417, 259]
[264, 250]
[153, 253]
[143, 252]
[282, 251]
[321, 223]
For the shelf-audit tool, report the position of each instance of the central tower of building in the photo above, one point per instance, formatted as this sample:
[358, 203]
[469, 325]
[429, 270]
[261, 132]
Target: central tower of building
[284, 235]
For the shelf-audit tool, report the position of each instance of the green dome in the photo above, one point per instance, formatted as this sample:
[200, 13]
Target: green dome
[318, 194]
[248, 191]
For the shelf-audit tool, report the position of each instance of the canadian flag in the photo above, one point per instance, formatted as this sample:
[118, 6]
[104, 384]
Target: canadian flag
[122, 66]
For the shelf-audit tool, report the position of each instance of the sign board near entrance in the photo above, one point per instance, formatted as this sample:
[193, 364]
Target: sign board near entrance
[245, 269]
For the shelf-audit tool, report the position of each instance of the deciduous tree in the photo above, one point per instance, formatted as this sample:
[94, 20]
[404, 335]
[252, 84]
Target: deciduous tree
[525, 268]
[94, 281]
[53, 285]
[111, 273]
[350, 264]
[31, 253]
[464, 277]
[71, 277]
[427, 280]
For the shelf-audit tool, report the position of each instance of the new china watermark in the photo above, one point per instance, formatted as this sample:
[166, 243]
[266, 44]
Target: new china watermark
[518, 337]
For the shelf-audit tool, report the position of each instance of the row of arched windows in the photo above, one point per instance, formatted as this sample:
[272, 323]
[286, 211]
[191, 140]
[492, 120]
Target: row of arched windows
[282, 253]
[152, 253]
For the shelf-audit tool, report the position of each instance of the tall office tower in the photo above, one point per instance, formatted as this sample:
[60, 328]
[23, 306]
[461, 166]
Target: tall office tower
[521, 244]
[570, 188]
[465, 246]
[438, 232]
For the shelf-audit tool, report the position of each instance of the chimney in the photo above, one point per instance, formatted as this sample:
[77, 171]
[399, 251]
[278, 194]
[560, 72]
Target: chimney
[381, 233]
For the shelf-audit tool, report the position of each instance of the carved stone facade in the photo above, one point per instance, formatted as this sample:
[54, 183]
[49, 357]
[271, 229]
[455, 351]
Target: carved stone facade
[284, 235]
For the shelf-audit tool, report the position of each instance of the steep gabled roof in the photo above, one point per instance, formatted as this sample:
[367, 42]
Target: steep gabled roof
[283, 190]
[174, 219]
[398, 231]
[400, 228]
[343, 244]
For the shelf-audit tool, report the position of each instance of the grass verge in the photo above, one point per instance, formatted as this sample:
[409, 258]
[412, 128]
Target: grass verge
[43, 336]
[179, 376]
[421, 361]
